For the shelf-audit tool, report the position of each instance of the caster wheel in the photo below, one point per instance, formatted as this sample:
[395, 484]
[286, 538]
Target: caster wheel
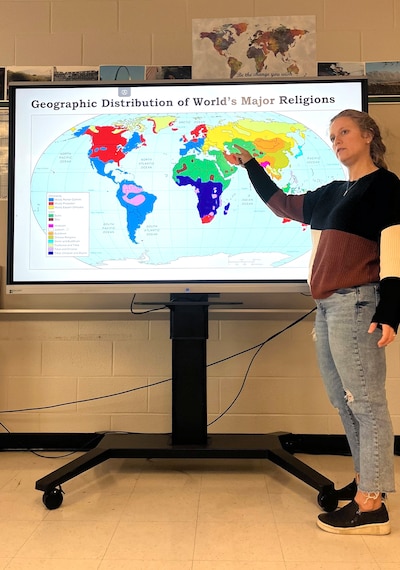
[328, 501]
[53, 499]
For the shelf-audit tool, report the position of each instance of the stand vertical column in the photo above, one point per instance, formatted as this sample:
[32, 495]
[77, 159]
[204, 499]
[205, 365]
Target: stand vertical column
[189, 333]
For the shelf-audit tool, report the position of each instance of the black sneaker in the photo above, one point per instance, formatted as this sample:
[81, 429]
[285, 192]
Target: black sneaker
[348, 492]
[350, 520]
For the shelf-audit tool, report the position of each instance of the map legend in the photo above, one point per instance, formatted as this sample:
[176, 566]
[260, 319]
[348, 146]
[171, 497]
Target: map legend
[68, 224]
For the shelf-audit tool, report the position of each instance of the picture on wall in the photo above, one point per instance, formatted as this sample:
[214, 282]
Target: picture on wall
[237, 48]
[3, 152]
[168, 72]
[383, 78]
[36, 74]
[121, 72]
[2, 83]
[341, 68]
[77, 73]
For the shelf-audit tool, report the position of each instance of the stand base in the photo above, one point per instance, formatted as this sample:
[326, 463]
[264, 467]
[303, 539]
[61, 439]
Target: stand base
[222, 446]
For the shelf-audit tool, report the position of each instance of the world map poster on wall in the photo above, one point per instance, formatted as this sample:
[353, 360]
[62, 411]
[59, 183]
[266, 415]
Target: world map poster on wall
[254, 47]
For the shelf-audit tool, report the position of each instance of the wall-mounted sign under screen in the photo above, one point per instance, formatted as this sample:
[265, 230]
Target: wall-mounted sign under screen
[133, 184]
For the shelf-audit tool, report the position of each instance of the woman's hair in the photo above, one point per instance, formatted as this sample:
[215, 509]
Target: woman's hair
[367, 124]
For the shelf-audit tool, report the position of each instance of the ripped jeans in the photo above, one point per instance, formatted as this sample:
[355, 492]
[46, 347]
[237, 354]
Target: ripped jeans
[353, 369]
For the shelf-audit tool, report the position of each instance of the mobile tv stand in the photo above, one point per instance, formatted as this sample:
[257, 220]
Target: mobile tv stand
[189, 438]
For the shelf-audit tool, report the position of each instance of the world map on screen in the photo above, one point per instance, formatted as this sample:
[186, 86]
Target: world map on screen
[163, 188]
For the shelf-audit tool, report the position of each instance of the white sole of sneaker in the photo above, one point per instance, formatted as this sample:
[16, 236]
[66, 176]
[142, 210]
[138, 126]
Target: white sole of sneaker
[377, 529]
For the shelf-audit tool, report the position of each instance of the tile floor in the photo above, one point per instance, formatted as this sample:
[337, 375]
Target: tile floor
[165, 514]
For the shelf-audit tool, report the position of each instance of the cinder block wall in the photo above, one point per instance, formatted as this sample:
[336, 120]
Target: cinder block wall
[57, 359]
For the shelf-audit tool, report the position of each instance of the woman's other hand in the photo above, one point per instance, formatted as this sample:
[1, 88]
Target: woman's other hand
[388, 334]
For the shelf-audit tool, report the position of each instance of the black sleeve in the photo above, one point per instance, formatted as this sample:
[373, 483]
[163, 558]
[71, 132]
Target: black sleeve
[388, 309]
[262, 183]
[283, 205]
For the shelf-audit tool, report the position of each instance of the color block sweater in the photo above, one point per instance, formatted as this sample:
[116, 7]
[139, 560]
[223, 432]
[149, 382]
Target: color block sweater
[355, 232]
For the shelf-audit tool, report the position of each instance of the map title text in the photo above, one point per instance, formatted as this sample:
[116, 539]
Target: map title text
[135, 103]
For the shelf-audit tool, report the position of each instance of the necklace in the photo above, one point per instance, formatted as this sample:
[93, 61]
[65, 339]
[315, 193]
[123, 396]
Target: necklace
[349, 186]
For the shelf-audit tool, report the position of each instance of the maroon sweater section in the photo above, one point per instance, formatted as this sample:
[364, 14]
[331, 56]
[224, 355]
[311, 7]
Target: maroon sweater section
[346, 228]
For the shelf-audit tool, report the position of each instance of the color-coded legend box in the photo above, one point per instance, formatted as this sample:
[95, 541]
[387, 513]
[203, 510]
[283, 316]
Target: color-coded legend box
[68, 218]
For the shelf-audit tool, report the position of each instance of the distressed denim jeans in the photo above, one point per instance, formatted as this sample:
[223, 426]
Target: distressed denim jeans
[353, 369]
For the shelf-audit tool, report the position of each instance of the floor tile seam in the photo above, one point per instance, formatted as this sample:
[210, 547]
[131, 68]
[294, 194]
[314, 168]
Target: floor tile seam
[112, 535]
[201, 488]
[276, 525]
[127, 502]
[27, 538]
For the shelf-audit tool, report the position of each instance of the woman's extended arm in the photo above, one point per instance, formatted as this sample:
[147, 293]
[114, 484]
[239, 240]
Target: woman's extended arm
[282, 204]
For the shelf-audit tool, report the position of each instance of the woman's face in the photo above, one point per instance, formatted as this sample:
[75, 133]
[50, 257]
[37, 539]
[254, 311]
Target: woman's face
[349, 143]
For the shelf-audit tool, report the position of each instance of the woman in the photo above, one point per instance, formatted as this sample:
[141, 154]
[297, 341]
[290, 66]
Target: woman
[355, 281]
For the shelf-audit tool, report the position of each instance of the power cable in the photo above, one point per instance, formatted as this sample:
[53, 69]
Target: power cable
[257, 348]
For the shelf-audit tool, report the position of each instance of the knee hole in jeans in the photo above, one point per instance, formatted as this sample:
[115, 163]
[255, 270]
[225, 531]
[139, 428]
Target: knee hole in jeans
[348, 396]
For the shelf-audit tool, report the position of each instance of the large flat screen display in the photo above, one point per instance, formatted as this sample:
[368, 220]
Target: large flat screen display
[133, 184]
